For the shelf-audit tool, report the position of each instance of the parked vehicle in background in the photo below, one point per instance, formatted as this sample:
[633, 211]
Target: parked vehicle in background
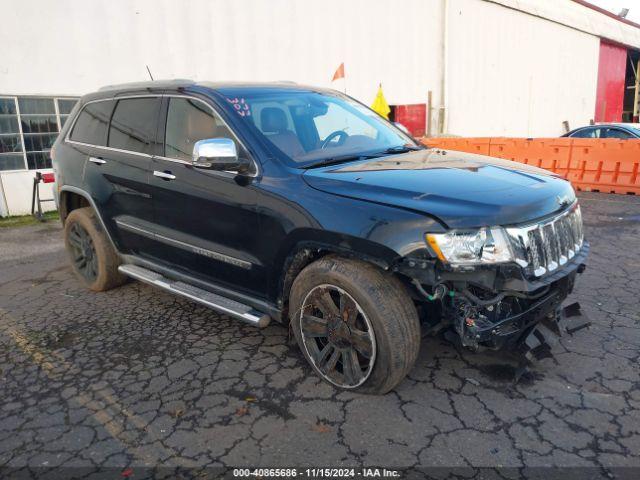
[620, 131]
[301, 205]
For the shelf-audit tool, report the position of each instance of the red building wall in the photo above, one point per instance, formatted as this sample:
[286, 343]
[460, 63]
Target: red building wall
[611, 77]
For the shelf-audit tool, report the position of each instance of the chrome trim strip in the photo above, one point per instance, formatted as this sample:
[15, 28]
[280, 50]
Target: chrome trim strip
[182, 162]
[176, 160]
[110, 149]
[67, 138]
[134, 229]
[186, 246]
[206, 253]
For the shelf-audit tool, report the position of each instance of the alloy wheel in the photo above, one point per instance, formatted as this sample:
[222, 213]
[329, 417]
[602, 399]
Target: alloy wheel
[337, 335]
[83, 252]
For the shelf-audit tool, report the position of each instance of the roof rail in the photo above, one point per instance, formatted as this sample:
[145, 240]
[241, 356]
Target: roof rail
[146, 84]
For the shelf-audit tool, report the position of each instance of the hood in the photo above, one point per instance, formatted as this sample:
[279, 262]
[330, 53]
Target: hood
[462, 190]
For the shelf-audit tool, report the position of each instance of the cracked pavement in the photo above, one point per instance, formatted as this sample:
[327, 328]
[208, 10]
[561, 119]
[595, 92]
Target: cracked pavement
[138, 377]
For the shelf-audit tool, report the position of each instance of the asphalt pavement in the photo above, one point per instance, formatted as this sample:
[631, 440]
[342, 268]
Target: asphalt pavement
[137, 377]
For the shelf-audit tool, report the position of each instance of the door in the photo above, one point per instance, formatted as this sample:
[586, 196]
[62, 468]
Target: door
[118, 137]
[611, 83]
[206, 221]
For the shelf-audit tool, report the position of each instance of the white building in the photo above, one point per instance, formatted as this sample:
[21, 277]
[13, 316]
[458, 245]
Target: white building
[494, 67]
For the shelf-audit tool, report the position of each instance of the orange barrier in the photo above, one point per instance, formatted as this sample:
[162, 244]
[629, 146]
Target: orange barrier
[591, 164]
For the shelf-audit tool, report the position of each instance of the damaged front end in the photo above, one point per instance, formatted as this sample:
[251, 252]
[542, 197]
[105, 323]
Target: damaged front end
[513, 300]
[509, 320]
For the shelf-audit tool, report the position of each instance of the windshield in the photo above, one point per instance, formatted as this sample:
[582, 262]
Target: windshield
[311, 128]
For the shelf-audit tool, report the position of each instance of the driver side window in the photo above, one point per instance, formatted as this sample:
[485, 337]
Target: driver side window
[188, 121]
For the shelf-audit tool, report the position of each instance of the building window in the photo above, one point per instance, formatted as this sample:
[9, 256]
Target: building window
[28, 128]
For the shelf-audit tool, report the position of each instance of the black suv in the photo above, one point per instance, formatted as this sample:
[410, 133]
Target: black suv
[300, 205]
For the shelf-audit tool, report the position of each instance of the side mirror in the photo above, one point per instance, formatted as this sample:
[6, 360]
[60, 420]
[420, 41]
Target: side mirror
[218, 154]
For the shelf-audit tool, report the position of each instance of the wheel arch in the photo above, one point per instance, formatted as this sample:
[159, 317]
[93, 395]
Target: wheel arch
[70, 201]
[72, 198]
[310, 245]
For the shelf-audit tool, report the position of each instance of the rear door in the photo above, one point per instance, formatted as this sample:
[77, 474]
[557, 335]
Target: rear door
[117, 170]
[206, 220]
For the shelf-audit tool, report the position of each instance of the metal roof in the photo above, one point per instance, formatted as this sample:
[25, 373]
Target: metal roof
[580, 15]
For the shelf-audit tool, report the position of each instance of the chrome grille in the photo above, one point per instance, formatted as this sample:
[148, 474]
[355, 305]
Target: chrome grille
[545, 246]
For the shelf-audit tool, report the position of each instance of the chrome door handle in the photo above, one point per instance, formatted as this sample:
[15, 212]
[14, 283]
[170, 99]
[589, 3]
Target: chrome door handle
[97, 161]
[164, 175]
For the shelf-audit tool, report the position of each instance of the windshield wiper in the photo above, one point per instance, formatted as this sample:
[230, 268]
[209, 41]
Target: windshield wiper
[401, 149]
[353, 157]
[338, 159]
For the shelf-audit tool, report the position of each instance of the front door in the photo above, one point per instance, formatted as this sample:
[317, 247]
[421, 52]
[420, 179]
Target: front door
[206, 221]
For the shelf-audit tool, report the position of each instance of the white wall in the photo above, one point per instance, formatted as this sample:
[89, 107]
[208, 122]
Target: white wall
[516, 74]
[72, 47]
[508, 72]
[76, 46]
[16, 189]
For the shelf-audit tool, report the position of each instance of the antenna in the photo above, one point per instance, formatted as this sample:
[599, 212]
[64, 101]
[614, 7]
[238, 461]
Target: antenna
[149, 72]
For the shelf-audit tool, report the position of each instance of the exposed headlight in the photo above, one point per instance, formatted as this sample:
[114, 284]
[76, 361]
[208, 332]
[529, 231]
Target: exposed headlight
[483, 246]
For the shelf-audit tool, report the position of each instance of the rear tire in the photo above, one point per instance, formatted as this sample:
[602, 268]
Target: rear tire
[355, 324]
[93, 258]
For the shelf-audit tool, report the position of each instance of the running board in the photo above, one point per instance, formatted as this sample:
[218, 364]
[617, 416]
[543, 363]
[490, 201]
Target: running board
[222, 304]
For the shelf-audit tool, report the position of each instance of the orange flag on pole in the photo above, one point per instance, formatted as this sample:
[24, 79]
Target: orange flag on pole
[339, 73]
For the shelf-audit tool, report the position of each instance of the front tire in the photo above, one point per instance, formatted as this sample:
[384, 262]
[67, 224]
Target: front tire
[355, 324]
[93, 258]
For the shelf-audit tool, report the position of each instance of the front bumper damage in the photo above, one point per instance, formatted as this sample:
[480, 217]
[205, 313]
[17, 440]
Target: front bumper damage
[478, 329]
[498, 308]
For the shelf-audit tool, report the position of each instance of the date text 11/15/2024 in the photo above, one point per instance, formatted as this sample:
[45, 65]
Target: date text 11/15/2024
[316, 472]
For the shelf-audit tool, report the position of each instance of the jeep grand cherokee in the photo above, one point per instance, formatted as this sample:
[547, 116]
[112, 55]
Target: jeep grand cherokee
[300, 205]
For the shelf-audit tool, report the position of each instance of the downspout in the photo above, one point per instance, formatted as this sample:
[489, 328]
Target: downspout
[4, 206]
[443, 113]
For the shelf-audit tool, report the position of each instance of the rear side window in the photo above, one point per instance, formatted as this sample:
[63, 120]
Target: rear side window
[92, 122]
[188, 121]
[133, 125]
[617, 133]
